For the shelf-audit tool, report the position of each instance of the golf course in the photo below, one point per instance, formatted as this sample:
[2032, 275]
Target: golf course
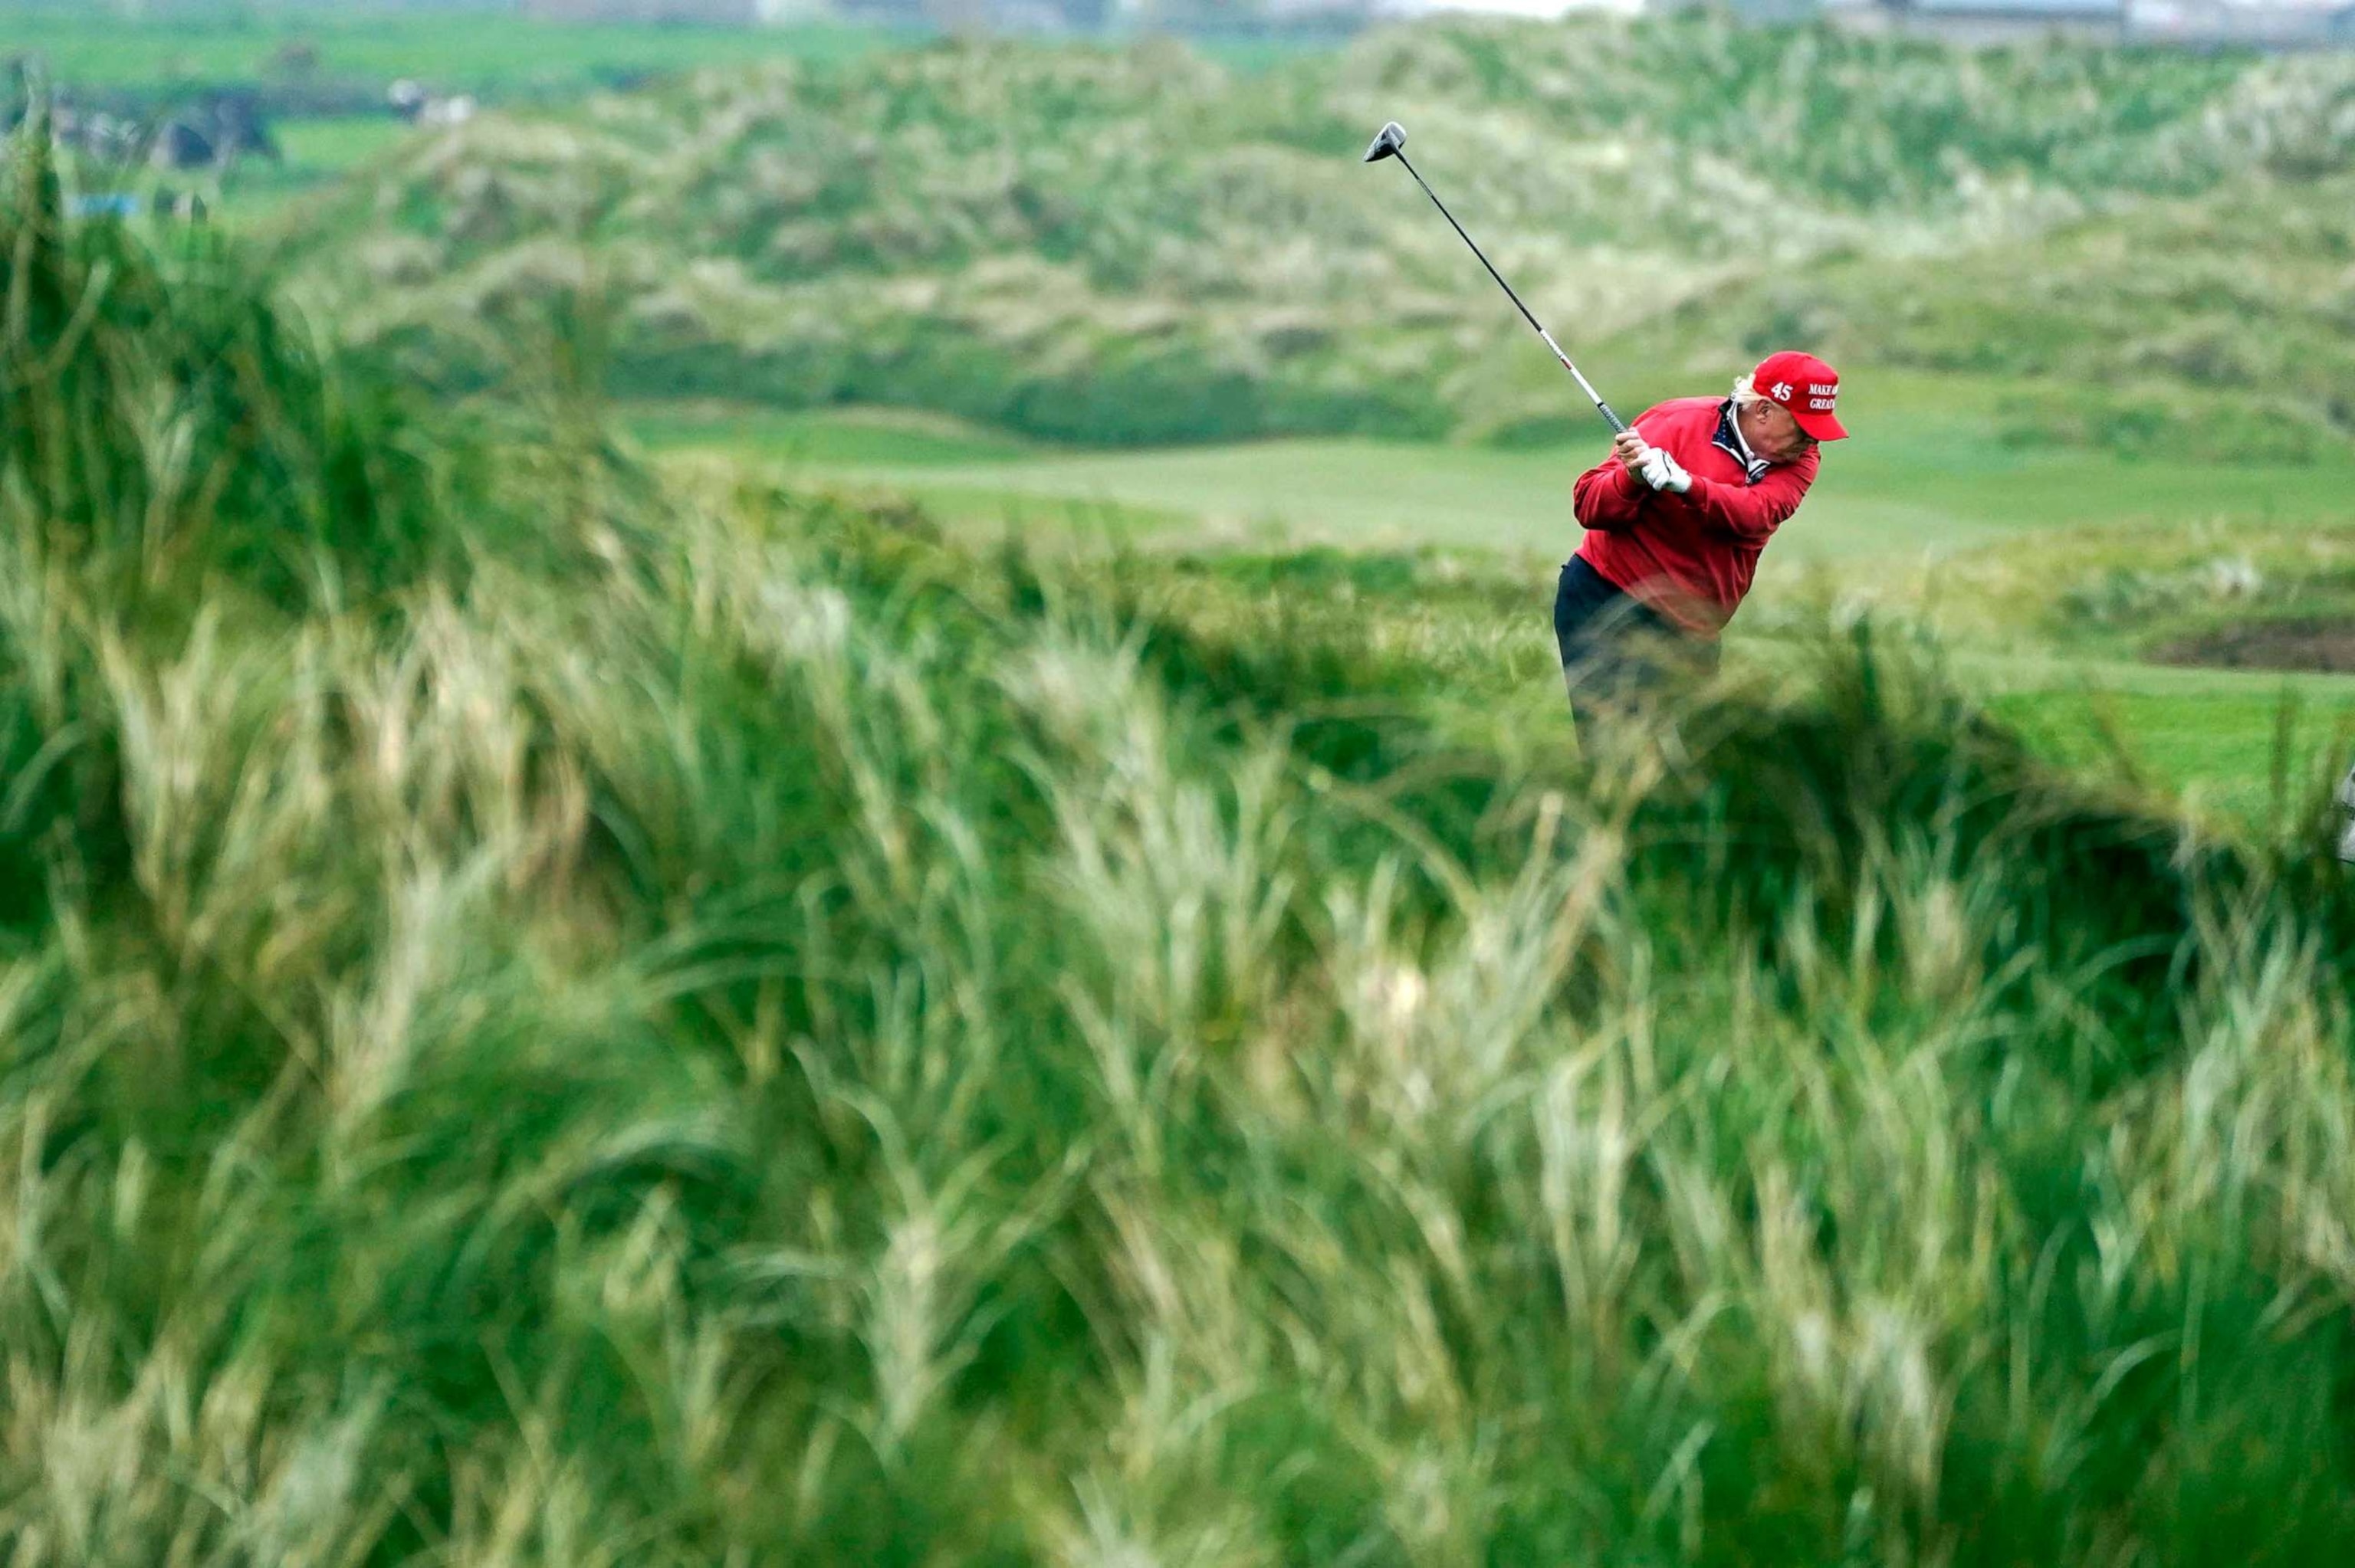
[2101, 434]
[815, 808]
[2049, 577]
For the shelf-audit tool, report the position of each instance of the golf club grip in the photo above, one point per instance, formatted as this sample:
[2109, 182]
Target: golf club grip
[1618, 426]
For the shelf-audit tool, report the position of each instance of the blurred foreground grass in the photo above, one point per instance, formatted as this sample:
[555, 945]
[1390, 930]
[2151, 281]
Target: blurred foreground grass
[551, 1015]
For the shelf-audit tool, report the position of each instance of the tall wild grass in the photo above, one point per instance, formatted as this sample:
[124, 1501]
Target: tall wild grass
[548, 1021]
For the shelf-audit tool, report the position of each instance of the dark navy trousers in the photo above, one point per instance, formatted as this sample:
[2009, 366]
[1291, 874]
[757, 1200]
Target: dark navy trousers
[1615, 646]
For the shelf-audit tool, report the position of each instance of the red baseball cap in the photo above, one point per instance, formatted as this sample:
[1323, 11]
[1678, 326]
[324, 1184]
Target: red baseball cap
[1806, 386]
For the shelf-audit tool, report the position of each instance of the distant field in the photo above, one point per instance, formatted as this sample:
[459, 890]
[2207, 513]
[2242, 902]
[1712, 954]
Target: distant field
[500, 58]
[1927, 511]
[507, 55]
[503, 59]
[317, 153]
[1927, 474]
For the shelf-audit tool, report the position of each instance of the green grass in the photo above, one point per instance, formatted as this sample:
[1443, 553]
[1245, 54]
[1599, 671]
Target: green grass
[1928, 473]
[486, 53]
[2216, 742]
[1130, 245]
[890, 439]
[335, 146]
[558, 1013]
[317, 153]
[503, 56]
[1928, 513]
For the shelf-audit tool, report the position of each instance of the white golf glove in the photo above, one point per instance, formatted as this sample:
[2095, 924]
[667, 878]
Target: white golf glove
[1662, 471]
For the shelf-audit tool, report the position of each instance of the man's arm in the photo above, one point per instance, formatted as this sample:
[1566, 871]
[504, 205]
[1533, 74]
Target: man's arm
[1752, 512]
[1607, 498]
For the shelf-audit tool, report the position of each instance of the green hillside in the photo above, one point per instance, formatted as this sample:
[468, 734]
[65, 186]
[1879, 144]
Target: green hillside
[553, 1015]
[2219, 329]
[1137, 245]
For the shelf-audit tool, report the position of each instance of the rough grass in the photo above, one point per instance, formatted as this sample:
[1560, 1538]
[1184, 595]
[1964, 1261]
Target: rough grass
[546, 1021]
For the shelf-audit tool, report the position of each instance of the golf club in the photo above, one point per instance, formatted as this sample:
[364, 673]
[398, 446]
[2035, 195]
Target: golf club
[1391, 143]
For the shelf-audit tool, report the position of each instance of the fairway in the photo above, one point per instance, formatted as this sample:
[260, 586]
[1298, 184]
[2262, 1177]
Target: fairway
[1929, 475]
[315, 153]
[2239, 746]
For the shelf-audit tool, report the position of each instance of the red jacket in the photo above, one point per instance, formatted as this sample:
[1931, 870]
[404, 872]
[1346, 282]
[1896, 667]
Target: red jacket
[1690, 555]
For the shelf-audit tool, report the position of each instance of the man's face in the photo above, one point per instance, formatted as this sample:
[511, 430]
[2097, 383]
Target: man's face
[1773, 434]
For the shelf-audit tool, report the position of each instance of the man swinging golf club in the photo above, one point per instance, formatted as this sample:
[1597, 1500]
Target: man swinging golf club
[1675, 519]
[1677, 516]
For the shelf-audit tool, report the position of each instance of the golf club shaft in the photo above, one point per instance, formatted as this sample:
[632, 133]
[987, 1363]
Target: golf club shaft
[1585, 385]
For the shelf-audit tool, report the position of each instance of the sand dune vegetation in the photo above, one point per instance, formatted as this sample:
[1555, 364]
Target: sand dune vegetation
[1138, 245]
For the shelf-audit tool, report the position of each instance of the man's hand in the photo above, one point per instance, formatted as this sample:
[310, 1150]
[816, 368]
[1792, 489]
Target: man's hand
[1647, 462]
[1662, 471]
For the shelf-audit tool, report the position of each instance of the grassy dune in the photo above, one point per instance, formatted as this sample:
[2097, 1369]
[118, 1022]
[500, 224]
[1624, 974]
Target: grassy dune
[547, 1016]
[1136, 245]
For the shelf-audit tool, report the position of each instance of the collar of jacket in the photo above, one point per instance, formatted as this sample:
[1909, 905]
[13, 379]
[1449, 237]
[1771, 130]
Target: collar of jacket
[1729, 439]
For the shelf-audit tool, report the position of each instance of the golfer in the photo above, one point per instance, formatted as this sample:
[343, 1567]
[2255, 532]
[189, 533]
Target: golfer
[1675, 519]
[2346, 804]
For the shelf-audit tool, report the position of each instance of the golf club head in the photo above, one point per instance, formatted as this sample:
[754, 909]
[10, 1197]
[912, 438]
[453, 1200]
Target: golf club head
[1392, 138]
